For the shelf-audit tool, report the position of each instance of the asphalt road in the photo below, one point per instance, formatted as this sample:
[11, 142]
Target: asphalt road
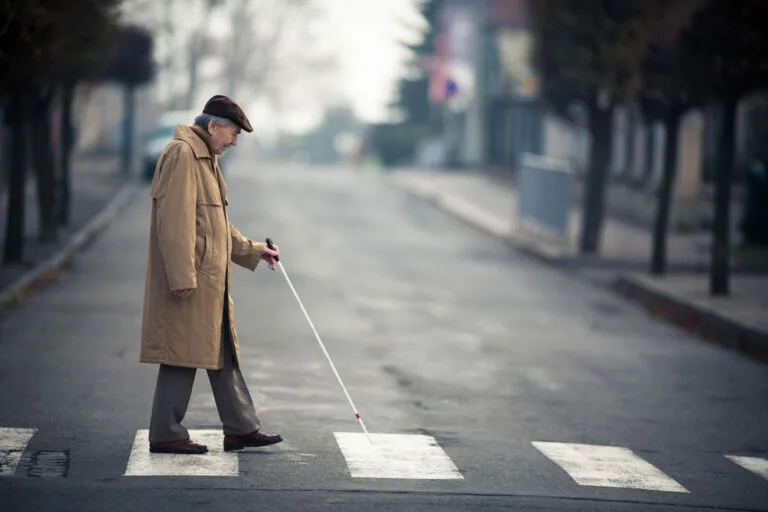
[540, 392]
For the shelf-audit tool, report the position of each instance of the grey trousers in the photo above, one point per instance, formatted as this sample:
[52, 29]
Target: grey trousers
[174, 389]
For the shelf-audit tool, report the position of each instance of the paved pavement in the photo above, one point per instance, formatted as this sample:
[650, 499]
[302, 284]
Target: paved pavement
[95, 180]
[748, 302]
[513, 386]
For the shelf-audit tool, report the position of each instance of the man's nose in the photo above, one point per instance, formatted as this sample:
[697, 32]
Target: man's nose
[234, 141]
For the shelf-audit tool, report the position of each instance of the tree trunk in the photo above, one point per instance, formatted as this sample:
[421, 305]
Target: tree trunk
[17, 174]
[44, 168]
[67, 142]
[595, 179]
[664, 199]
[650, 151]
[721, 228]
[629, 158]
[129, 114]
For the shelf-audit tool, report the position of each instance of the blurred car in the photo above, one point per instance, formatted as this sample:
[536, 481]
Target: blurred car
[161, 134]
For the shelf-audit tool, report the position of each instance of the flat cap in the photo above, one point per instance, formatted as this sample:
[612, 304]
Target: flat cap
[221, 106]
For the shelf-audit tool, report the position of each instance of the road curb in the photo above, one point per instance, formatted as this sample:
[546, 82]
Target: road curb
[471, 215]
[701, 320]
[14, 292]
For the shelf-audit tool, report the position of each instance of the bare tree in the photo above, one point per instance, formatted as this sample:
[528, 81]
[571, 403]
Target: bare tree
[197, 49]
[267, 46]
[259, 30]
[279, 55]
[180, 29]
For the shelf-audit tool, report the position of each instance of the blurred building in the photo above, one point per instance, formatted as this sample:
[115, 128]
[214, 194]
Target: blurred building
[485, 91]
[484, 95]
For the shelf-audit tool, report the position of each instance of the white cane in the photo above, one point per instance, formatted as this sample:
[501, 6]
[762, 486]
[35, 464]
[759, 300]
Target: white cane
[317, 337]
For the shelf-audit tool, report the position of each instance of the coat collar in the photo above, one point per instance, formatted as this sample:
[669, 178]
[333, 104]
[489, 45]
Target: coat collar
[200, 141]
[196, 137]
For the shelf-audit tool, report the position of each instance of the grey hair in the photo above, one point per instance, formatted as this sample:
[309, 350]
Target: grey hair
[203, 120]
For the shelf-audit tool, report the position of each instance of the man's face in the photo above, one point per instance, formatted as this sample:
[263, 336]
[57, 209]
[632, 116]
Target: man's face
[223, 136]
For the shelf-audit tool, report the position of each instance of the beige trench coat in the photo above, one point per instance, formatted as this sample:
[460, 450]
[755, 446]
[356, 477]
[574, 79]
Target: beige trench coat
[191, 245]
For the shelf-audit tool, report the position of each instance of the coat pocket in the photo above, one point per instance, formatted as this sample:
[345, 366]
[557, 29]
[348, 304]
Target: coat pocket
[208, 193]
[202, 251]
[209, 201]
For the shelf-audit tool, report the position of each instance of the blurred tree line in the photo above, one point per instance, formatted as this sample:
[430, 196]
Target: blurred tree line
[47, 48]
[667, 56]
[273, 52]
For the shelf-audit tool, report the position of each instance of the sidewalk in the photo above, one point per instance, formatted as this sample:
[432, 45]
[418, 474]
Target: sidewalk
[95, 184]
[681, 297]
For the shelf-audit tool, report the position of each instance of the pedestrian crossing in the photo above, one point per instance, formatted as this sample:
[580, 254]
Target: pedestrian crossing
[384, 456]
[15, 459]
[405, 456]
[756, 465]
[13, 442]
[607, 466]
[215, 463]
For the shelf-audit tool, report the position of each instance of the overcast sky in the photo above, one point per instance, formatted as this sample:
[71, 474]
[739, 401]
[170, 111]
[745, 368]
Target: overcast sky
[372, 60]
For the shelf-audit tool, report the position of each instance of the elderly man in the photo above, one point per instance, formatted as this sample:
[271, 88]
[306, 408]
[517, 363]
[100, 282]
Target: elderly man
[188, 320]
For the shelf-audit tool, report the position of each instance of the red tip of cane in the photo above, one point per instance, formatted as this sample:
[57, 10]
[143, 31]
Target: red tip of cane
[357, 416]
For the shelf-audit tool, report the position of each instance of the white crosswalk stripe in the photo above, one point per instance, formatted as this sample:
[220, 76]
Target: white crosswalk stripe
[406, 456]
[757, 465]
[216, 462]
[17, 460]
[607, 466]
[13, 442]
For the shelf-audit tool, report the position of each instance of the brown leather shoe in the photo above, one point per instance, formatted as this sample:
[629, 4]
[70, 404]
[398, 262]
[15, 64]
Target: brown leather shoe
[253, 439]
[183, 446]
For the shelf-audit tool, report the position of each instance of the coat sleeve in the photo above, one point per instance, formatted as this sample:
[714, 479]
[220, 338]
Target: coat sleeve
[245, 252]
[176, 215]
